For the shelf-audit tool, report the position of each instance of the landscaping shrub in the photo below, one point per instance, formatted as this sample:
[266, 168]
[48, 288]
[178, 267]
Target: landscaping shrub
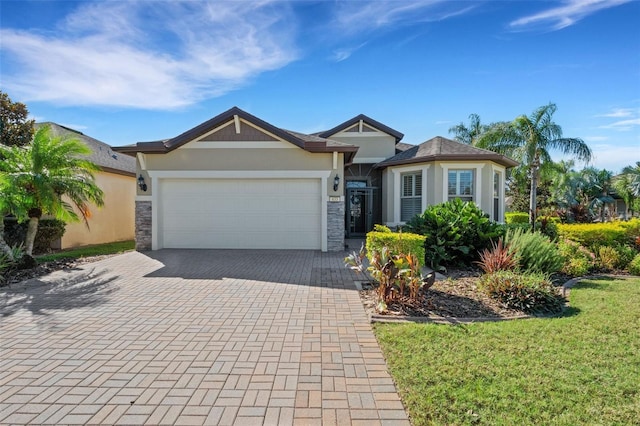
[499, 258]
[608, 258]
[547, 226]
[634, 266]
[535, 252]
[528, 292]
[397, 242]
[49, 230]
[455, 232]
[381, 228]
[578, 261]
[626, 255]
[595, 235]
[516, 217]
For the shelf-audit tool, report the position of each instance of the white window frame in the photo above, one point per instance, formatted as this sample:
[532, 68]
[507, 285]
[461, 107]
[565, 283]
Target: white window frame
[501, 171]
[397, 187]
[469, 197]
[477, 177]
[416, 174]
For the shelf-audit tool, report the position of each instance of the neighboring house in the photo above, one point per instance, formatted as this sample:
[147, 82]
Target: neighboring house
[117, 179]
[237, 181]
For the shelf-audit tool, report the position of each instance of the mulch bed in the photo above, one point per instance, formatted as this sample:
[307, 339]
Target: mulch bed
[15, 275]
[457, 296]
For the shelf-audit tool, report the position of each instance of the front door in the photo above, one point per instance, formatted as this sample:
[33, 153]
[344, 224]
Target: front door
[359, 211]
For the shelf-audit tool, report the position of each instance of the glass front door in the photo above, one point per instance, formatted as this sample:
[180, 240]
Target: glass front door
[359, 211]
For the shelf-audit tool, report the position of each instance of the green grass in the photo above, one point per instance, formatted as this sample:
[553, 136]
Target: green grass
[582, 368]
[97, 250]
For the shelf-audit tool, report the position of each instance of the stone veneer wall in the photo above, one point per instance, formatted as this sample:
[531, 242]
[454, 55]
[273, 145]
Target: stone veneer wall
[143, 225]
[335, 226]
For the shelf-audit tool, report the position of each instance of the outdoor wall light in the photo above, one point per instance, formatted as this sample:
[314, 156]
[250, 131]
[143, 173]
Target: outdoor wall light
[141, 183]
[336, 182]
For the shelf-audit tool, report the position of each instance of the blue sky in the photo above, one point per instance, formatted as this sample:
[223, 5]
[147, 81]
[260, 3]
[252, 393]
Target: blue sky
[124, 72]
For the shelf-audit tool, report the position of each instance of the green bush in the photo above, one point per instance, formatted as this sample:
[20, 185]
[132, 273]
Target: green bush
[49, 230]
[516, 217]
[634, 266]
[626, 255]
[608, 258]
[381, 228]
[546, 226]
[578, 261]
[535, 252]
[529, 292]
[455, 232]
[397, 242]
[596, 235]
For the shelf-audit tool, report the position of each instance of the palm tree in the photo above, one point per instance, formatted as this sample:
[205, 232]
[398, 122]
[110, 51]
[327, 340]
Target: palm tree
[45, 171]
[632, 174]
[627, 185]
[9, 204]
[528, 139]
[469, 135]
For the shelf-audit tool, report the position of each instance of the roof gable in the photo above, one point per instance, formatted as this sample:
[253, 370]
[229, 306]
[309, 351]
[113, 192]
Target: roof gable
[241, 125]
[443, 149]
[369, 125]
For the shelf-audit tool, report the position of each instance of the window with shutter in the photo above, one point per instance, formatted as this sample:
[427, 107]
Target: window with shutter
[411, 195]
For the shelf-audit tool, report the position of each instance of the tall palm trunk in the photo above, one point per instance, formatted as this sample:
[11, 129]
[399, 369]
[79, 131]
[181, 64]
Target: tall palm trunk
[32, 230]
[4, 247]
[533, 196]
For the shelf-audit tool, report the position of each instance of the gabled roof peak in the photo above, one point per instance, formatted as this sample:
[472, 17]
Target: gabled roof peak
[365, 119]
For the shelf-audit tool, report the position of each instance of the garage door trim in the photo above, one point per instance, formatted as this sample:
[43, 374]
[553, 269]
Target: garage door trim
[156, 176]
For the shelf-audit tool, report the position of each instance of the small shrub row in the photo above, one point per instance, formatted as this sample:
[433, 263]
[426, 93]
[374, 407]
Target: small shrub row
[528, 292]
[634, 265]
[595, 235]
[516, 217]
[397, 242]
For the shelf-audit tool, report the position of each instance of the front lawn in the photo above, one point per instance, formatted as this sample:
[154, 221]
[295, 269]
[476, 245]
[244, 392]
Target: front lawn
[88, 251]
[582, 368]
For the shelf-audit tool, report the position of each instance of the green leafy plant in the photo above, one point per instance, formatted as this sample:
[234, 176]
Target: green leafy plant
[49, 230]
[528, 292]
[634, 266]
[516, 217]
[535, 252]
[455, 232]
[355, 259]
[381, 228]
[384, 267]
[578, 260]
[499, 258]
[608, 258]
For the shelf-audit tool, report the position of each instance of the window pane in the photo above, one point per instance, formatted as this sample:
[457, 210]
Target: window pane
[466, 182]
[496, 184]
[409, 207]
[407, 185]
[452, 182]
[418, 185]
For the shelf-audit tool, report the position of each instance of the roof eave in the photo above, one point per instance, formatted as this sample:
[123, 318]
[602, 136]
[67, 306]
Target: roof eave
[500, 159]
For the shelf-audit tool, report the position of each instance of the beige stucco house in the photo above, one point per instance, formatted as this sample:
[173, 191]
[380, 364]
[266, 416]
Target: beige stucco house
[237, 181]
[117, 179]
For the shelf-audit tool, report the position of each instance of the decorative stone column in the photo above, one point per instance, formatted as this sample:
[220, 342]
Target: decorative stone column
[143, 225]
[335, 226]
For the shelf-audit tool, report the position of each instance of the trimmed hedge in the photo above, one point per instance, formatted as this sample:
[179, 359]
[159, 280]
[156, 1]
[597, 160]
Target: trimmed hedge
[516, 217]
[596, 235]
[397, 242]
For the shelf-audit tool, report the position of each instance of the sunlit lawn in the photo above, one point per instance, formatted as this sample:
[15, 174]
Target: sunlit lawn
[97, 250]
[583, 368]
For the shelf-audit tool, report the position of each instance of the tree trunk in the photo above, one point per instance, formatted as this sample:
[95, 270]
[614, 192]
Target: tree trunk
[533, 200]
[4, 247]
[30, 239]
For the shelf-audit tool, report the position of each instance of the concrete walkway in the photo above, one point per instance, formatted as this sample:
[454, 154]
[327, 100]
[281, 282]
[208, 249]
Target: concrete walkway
[194, 337]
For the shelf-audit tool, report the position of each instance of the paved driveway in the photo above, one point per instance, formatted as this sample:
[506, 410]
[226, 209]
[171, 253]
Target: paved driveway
[194, 337]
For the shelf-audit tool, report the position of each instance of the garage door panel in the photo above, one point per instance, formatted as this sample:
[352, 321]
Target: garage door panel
[244, 213]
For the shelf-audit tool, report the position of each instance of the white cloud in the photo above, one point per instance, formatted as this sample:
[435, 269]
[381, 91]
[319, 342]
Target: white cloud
[340, 55]
[618, 112]
[623, 125]
[614, 157]
[570, 12]
[353, 17]
[153, 55]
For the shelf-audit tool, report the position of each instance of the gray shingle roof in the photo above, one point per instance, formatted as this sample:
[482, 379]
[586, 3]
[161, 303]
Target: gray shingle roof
[443, 149]
[101, 153]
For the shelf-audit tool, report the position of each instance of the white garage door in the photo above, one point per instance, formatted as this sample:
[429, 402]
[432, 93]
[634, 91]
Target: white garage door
[240, 213]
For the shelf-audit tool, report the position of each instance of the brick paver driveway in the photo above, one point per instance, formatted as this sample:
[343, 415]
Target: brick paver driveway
[193, 337]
